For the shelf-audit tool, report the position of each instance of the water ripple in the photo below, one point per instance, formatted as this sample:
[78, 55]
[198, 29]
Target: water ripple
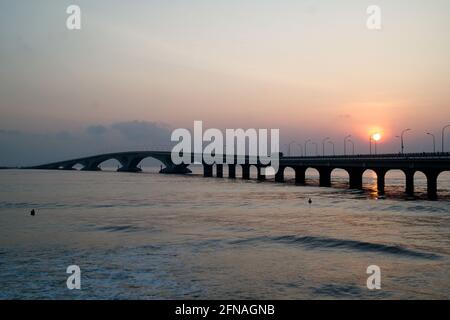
[123, 228]
[330, 243]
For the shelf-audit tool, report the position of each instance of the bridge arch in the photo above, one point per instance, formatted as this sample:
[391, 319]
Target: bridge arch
[156, 166]
[269, 173]
[339, 177]
[427, 180]
[289, 174]
[76, 166]
[253, 172]
[111, 164]
[371, 180]
[133, 163]
[443, 178]
[420, 182]
[395, 181]
[239, 171]
[312, 176]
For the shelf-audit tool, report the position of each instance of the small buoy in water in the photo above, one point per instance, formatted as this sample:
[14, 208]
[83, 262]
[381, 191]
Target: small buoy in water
[33, 212]
[310, 201]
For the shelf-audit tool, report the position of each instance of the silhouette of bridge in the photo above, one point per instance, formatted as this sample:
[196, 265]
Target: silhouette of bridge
[431, 164]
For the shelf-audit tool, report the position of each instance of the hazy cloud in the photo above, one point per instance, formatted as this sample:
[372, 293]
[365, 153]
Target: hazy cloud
[26, 148]
[142, 130]
[9, 132]
[96, 130]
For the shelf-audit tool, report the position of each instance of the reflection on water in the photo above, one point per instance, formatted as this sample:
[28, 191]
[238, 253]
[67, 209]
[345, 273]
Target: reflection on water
[150, 236]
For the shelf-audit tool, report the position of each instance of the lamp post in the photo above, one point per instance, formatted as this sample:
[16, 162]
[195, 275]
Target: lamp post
[306, 146]
[289, 147]
[434, 141]
[317, 148]
[301, 149]
[398, 137]
[323, 145]
[402, 140]
[375, 138]
[353, 146]
[370, 144]
[332, 143]
[443, 136]
[345, 143]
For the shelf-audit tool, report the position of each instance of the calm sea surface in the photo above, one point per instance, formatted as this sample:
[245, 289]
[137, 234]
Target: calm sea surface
[152, 236]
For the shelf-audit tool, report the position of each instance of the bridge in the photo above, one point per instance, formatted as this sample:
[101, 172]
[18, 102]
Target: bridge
[129, 162]
[431, 164]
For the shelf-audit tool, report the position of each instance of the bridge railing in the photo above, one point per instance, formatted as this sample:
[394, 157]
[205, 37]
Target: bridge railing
[426, 155]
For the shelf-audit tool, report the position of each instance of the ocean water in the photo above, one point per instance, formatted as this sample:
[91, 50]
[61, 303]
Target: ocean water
[153, 236]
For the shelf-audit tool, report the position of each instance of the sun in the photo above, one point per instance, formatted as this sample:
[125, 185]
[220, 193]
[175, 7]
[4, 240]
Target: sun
[376, 136]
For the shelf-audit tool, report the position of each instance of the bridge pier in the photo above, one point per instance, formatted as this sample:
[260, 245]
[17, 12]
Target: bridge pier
[279, 175]
[432, 176]
[176, 169]
[300, 175]
[409, 173]
[245, 171]
[129, 164]
[207, 170]
[381, 177]
[232, 171]
[90, 168]
[261, 177]
[219, 170]
[128, 169]
[90, 165]
[324, 177]
[356, 178]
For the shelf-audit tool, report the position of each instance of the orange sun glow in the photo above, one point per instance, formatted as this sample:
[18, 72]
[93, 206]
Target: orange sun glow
[376, 136]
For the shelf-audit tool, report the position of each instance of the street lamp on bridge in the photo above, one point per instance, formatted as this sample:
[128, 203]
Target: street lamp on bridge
[434, 141]
[332, 143]
[301, 149]
[345, 143]
[353, 146]
[323, 145]
[402, 140]
[376, 137]
[289, 147]
[443, 136]
[317, 147]
[306, 146]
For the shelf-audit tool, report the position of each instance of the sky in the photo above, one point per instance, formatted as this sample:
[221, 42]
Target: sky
[310, 68]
